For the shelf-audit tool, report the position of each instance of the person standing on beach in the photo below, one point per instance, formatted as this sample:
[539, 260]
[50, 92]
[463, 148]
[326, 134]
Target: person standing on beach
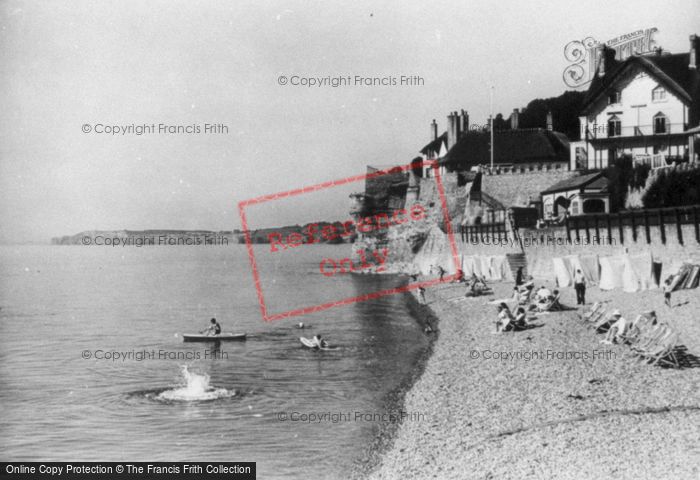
[519, 277]
[580, 286]
[667, 292]
[441, 271]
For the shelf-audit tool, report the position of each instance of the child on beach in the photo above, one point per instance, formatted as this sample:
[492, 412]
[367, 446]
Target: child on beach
[667, 292]
[441, 271]
[503, 323]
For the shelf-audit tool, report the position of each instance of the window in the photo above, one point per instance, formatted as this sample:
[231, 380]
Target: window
[574, 208]
[658, 94]
[660, 123]
[613, 97]
[614, 126]
[548, 208]
[593, 205]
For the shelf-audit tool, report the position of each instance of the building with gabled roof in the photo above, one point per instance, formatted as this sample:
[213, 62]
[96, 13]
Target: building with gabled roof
[645, 106]
[576, 196]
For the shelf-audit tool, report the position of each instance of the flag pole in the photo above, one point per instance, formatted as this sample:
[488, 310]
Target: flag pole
[491, 115]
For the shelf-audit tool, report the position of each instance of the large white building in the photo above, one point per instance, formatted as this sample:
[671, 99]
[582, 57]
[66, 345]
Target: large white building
[647, 106]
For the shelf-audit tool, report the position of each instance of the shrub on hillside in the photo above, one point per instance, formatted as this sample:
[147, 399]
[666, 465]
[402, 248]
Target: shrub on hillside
[673, 188]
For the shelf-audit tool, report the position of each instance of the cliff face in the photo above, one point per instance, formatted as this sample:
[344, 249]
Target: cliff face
[414, 245]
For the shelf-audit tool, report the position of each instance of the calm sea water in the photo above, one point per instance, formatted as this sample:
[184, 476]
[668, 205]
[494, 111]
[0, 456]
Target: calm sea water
[57, 302]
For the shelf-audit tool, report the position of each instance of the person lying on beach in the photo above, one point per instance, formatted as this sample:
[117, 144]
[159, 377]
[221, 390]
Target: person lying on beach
[213, 329]
[617, 330]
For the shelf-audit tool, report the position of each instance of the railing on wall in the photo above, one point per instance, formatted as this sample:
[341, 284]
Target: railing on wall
[484, 233]
[590, 227]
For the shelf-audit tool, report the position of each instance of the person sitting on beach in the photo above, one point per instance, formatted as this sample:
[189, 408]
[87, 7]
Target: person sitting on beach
[617, 330]
[525, 295]
[503, 323]
[459, 278]
[543, 294]
[213, 329]
[319, 342]
[520, 321]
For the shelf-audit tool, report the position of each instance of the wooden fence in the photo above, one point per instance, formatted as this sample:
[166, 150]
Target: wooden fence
[639, 221]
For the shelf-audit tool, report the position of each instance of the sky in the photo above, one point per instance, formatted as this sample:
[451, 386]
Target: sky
[74, 65]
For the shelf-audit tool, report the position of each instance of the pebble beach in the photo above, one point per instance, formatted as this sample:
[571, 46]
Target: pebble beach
[550, 401]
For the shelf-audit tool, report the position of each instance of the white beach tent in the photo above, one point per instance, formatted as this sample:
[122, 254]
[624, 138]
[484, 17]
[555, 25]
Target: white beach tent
[630, 281]
[485, 262]
[468, 265]
[500, 267]
[590, 267]
[611, 269]
[562, 272]
[641, 263]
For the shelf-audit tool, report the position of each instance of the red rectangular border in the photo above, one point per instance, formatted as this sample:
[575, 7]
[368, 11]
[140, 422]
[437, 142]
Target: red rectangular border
[314, 188]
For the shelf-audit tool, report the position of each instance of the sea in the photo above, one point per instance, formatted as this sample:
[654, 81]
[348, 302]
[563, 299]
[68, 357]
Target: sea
[93, 366]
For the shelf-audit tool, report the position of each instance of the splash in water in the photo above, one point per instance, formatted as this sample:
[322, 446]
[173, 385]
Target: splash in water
[194, 388]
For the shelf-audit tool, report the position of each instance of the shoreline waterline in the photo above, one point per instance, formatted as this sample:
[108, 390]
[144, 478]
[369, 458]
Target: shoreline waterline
[395, 400]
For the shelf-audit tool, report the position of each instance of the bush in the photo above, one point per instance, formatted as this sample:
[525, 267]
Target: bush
[673, 188]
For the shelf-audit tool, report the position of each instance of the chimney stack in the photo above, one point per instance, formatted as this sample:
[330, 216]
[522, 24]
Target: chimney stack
[458, 126]
[450, 130]
[550, 123]
[514, 119]
[433, 131]
[465, 121]
[693, 65]
[606, 59]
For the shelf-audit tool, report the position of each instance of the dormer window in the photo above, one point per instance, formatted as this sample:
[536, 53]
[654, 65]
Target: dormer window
[614, 97]
[614, 126]
[660, 123]
[658, 94]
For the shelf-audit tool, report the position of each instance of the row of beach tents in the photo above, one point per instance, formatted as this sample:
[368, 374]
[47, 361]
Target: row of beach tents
[630, 272]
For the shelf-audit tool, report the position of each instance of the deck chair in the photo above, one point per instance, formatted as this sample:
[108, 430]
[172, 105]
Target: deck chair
[651, 337]
[662, 351]
[587, 315]
[597, 316]
[604, 322]
[551, 306]
[640, 324]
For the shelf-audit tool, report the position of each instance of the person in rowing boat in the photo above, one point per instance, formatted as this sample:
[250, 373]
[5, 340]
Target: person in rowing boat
[213, 329]
[319, 342]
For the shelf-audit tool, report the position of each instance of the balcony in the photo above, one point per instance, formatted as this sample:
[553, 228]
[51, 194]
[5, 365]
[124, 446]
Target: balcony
[599, 132]
[658, 160]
